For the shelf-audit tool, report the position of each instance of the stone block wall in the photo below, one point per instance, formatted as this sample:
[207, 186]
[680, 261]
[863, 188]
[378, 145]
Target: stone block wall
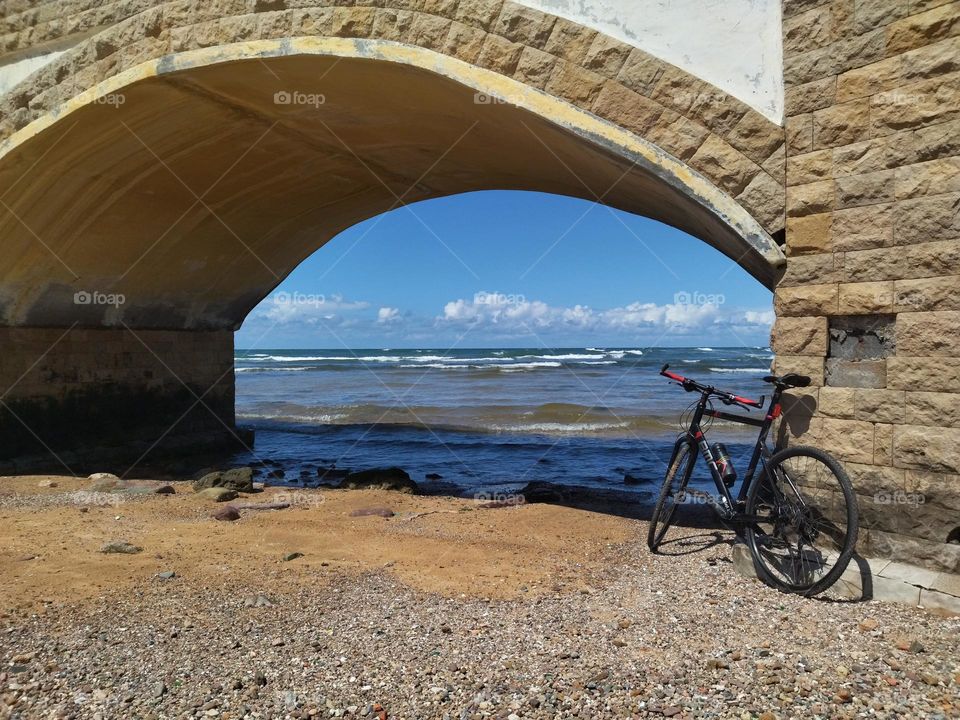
[870, 303]
[71, 389]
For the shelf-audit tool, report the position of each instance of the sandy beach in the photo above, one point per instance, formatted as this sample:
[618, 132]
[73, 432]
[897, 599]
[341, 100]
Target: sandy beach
[326, 608]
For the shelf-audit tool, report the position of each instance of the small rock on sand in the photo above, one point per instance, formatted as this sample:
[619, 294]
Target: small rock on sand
[106, 484]
[217, 494]
[227, 513]
[118, 546]
[292, 556]
[237, 479]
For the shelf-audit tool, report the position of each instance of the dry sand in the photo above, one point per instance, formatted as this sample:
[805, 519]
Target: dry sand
[444, 611]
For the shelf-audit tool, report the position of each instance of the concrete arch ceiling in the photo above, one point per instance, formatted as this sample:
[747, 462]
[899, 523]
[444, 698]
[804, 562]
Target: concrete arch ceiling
[187, 185]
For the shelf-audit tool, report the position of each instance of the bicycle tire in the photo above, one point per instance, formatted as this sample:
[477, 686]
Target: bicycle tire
[659, 525]
[807, 521]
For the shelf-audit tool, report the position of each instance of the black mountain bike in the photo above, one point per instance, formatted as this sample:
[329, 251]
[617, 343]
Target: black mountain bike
[796, 509]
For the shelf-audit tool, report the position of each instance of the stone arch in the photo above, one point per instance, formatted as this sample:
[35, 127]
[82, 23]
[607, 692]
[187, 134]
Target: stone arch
[733, 145]
[585, 116]
[236, 84]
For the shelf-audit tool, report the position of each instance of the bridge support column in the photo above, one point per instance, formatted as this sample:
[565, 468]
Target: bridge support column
[869, 306]
[69, 396]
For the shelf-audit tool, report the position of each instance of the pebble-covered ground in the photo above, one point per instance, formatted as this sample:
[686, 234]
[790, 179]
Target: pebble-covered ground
[679, 635]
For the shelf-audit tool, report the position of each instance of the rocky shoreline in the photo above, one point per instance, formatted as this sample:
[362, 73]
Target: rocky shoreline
[443, 608]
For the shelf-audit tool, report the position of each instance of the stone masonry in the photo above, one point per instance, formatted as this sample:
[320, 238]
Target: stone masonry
[731, 144]
[864, 179]
[870, 303]
[89, 388]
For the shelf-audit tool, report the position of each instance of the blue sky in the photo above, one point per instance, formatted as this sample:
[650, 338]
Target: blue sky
[511, 269]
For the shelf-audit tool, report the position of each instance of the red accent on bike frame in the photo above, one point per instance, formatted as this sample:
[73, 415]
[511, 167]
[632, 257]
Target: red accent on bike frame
[746, 401]
[674, 376]
[698, 436]
[775, 413]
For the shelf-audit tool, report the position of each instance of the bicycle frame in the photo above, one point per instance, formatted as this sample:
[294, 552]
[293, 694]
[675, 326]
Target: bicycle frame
[695, 435]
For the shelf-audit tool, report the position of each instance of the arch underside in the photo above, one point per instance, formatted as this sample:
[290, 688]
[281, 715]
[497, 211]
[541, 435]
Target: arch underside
[190, 186]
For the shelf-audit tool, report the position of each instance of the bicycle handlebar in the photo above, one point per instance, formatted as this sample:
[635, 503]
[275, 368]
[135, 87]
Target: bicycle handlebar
[728, 398]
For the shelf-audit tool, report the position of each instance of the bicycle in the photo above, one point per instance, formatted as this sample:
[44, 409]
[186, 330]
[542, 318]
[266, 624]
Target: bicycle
[798, 514]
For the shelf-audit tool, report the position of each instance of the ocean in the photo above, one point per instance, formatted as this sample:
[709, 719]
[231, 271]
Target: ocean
[486, 422]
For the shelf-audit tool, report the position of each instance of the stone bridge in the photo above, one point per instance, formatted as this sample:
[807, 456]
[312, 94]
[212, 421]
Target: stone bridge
[188, 155]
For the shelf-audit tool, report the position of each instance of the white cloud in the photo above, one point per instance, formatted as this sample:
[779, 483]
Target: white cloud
[290, 317]
[387, 315]
[521, 316]
[285, 308]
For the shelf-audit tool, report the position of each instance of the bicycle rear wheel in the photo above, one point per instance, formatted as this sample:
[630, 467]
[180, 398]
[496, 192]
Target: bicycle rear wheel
[672, 492]
[808, 527]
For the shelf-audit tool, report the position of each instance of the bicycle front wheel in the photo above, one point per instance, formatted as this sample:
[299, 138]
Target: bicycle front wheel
[804, 517]
[672, 493]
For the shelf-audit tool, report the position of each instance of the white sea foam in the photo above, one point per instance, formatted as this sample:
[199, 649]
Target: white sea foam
[550, 427]
[739, 370]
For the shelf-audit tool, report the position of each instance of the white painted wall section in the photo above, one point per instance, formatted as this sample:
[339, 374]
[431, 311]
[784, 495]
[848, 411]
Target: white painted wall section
[735, 45]
[13, 73]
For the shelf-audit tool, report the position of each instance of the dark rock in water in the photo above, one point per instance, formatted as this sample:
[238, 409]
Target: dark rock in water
[545, 461]
[238, 479]
[543, 492]
[391, 478]
[118, 546]
[228, 513]
[292, 556]
[377, 511]
[434, 476]
[332, 474]
[633, 477]
[277, 474]
[620, 470]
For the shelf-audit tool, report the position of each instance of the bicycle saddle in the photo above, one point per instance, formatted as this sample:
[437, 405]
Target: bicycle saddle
[788, 380]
